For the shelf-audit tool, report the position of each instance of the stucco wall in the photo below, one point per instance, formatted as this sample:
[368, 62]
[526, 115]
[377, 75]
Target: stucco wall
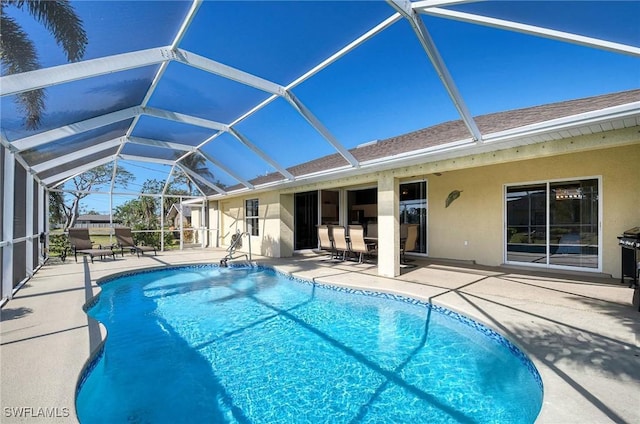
[268, 242]
[477, 215]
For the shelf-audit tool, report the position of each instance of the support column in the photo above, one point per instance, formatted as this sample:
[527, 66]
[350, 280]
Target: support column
[388, 225]
[7, 225]
[28, 207]
[42, 200]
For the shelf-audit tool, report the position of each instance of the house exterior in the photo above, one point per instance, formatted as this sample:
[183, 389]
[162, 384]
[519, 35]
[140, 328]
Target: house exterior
[549, 187]
[177, 212]
[94, 221]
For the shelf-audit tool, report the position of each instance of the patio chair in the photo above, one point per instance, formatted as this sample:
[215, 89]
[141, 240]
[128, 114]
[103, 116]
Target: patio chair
[81, 243]
[325, 239]
[340, 241]
[124, 240]
[410, 242]
[358, 244]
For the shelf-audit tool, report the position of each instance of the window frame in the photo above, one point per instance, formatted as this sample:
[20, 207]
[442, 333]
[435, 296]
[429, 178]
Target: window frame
[548, 183]
[252, 216]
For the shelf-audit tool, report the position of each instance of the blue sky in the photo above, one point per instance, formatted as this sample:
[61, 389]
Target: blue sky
[384, 88]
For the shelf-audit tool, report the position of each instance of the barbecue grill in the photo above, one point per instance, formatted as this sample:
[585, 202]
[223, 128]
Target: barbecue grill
[629, 242]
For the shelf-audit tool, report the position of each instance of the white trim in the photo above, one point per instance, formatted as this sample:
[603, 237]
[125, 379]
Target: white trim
[530, 30]
[319, 126]
[28, 211]
[183, 118]
[78, 154]
[161, 144]
[567, 122]
[348, 48]
[244, 140]
[136, 158]
[547, 184]
[7, 224]
[75, 128]
[217, 68]
[41, 78]
[405, 8]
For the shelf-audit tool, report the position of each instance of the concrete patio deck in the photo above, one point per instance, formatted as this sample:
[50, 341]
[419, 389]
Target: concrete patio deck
[581, 332]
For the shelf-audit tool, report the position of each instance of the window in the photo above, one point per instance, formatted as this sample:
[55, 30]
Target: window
[555, 224]
[251, 216]
[413, 210]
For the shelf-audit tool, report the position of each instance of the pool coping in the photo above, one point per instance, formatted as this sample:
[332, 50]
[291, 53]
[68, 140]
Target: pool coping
[45, 339]
[485, 330]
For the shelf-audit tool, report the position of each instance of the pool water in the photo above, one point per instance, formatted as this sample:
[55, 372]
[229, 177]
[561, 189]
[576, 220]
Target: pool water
[248, 345]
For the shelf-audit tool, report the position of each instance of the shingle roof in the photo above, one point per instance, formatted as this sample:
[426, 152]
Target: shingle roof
[453, 131]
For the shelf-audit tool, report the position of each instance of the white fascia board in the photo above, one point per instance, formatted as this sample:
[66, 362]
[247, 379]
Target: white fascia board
[405, 8]
[567, 122]
[226, 169]
[315, 123]
[530, 30]
[136, 158]
[161, 144]
[204, 181]
[78, 170]
[186, 119]
[76, 128]
[226, 71]
[41, 78]
[244, 140]
[78, 154]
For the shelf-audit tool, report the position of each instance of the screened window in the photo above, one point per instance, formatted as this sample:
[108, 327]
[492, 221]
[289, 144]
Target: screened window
[251, 216]
[554, 224]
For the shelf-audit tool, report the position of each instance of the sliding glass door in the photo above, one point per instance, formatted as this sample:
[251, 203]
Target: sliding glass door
[306, 220]
[555, 224]
[413, 210]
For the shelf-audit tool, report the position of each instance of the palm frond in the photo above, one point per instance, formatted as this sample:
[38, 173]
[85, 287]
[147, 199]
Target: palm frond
[59, 17]
[18, 54]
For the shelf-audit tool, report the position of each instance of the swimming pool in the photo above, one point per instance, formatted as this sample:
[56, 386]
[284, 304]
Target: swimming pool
[250, 345]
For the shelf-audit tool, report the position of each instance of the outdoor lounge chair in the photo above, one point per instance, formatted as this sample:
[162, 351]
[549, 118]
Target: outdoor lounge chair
[80, 243]
[325, 240]
[340, 243]
[410, 242]
[124, 240]
[358, 244]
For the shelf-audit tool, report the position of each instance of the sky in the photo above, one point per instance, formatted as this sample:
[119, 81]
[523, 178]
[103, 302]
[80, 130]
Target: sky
[383, 88]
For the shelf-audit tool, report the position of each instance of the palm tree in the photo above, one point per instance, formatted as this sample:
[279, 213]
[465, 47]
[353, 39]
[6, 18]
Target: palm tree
[198, 164]
[18, 53]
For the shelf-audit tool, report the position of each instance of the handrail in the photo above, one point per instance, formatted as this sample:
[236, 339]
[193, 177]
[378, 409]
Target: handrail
[232, 248]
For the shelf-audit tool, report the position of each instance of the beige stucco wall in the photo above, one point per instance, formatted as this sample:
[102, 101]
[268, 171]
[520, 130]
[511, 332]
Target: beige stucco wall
[477, 217]
[275, 234]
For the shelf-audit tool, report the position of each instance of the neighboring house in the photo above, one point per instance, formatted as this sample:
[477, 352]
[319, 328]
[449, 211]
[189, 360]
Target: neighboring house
[175, 212]
[94, 221]
[549, 186]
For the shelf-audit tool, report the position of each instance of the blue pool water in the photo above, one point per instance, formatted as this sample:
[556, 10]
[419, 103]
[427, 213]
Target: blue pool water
[248, 345]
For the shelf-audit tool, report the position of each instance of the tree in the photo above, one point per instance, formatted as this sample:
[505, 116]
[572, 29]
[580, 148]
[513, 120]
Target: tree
[198, 164]
[89, 180]
[143, 213]
[18, 53]
[56, 208]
